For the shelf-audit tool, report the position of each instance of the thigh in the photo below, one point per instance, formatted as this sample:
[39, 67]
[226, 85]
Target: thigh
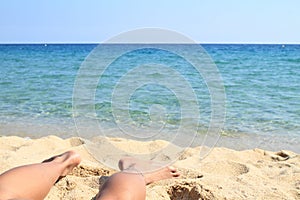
[123, 186]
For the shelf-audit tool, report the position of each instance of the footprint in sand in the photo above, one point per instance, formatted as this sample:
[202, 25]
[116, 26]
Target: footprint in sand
[75, 141]
[189, 173]
[189, 190]
[225, 168]
[281, 156]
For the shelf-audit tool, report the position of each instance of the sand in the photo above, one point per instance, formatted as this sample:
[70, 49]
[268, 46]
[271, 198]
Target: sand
[223, 174]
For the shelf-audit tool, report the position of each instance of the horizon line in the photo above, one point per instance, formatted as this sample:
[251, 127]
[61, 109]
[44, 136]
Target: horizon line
[263, 43]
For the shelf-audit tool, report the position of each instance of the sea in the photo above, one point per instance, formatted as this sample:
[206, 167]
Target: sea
[152, 92]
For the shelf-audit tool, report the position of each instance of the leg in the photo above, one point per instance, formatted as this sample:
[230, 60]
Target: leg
[130, 183]
[35, 181]
[123, 186]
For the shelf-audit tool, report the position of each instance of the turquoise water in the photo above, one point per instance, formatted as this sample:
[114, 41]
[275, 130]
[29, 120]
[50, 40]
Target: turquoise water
[261, 83]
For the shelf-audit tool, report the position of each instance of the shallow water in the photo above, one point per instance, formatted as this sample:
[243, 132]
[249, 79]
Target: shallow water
[261, 83]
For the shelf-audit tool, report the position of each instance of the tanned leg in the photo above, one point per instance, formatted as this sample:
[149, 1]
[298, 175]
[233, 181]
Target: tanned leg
[33, 182]
[130, 183]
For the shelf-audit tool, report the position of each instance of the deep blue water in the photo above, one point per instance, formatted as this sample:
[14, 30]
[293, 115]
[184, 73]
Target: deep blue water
[261, 83]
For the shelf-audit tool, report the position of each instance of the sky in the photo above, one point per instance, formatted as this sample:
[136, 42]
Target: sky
[204, 21]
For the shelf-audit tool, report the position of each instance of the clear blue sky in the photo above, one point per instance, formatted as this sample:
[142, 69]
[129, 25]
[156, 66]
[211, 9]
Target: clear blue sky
[206, 21]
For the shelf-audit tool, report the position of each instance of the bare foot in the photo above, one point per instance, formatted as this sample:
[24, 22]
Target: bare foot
[69, 160]
[151, 171]
[161, 174]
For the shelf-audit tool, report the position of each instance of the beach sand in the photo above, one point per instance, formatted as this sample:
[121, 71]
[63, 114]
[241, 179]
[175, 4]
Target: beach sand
[223, 174]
